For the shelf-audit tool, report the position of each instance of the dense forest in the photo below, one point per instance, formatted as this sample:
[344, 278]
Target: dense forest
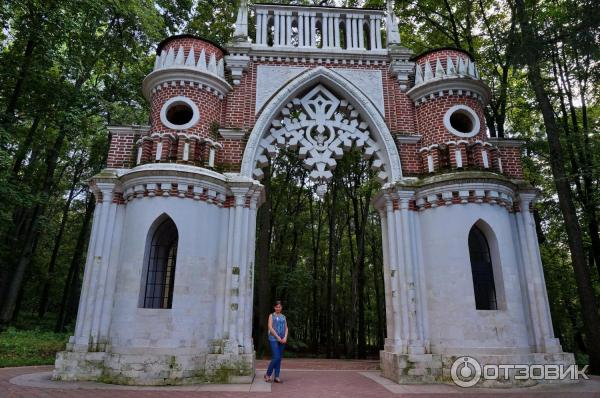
[69, 68]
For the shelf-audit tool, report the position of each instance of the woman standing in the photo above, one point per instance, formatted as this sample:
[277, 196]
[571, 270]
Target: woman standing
[278, 332]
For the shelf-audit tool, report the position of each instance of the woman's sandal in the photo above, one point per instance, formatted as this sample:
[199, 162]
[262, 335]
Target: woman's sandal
[278, 380]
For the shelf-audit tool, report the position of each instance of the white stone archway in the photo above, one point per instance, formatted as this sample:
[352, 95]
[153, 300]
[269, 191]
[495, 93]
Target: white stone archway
[379, 141]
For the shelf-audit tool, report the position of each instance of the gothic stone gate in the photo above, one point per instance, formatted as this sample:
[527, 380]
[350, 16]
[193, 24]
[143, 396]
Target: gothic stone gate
[168, 284]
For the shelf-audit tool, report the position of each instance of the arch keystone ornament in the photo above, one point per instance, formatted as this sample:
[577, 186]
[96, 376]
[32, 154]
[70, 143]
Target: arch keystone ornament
[137, 325]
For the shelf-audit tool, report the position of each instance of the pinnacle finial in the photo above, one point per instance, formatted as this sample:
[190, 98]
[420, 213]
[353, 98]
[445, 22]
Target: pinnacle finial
[393, 34]
[241, 24]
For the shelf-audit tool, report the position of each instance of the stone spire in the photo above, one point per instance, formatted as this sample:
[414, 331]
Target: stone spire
[241, 24]
[393, 35]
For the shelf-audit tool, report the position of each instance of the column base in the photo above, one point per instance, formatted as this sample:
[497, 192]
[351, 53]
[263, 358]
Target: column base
[436, 368]
[154, 369]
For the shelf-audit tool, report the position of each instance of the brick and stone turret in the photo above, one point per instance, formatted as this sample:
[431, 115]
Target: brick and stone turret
[186, 90]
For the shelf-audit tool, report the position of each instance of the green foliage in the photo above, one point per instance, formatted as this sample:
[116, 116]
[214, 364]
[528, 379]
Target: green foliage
[29, 347]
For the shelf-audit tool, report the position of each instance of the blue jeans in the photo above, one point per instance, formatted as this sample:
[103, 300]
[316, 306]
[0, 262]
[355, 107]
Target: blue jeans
[276, 355]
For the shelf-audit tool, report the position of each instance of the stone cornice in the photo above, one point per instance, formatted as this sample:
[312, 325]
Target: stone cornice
[450, 86]
[174, 75]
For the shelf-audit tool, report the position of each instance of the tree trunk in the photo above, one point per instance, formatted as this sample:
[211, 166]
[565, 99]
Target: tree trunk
[262, 264]
[587, 297]
[24, 259]
[72, 279]
[43, 304]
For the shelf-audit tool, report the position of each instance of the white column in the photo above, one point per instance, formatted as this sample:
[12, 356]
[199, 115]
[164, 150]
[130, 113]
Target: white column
[276, 26]
[258, 27]
[354, 32]
[313, 29]
[387, 280]
[331, 29]
[536, 286]
[111, 280]
[411, 277]
[372, 33]
[228, 331]
[403, 283]
[250, 265]
[282, 29]
[265, 28]
[236, 277]
[243, 278]
[420, 280]
[80, 339]
[221, 306]
[349, 32]
[378, 31]
[361, 33]
[300, 23]
[325, 30]
[307, 31]
[95, 277]
[396, 343]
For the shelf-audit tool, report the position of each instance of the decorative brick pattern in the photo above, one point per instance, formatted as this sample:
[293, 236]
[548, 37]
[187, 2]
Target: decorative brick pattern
[237, 110]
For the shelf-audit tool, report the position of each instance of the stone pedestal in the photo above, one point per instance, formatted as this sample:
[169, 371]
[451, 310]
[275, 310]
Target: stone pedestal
[154, 369]
[436, 368]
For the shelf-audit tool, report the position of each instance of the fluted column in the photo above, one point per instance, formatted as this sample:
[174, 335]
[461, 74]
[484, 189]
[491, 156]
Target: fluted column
[372, 39]
[541, 320]
[394, 342]
[300, 24]
[265, 29]
[313, 29]
[99, 276]
[361, 33]
[324, 30]
[276, 28]
[349, 32]
[354, 32]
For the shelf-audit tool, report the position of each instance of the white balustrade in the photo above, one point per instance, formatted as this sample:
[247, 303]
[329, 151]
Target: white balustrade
[281, 26]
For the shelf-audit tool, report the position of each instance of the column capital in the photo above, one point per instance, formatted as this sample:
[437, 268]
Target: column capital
[527, 198]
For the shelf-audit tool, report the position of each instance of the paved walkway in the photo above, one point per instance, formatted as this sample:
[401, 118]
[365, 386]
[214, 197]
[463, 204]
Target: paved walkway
[302, 378]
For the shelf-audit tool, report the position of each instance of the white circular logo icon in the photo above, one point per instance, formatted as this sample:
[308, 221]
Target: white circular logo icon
[465, 372]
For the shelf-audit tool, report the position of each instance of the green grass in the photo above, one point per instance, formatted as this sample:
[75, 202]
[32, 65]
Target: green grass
[30, 347]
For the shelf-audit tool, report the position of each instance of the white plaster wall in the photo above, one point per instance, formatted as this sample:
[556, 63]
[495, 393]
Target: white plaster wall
[455, 325]
[189, 324]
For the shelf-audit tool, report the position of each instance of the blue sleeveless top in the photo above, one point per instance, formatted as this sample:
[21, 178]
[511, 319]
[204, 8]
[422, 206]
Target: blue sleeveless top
[278, 325]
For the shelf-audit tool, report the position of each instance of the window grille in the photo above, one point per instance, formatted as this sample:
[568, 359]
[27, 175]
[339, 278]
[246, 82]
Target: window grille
[160, 275]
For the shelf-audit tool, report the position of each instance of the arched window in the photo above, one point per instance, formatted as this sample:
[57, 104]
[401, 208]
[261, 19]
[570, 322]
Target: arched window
[161, 257]
[482, 270]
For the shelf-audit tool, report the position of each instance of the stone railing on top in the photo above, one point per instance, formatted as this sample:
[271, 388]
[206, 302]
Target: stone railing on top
[316, 28]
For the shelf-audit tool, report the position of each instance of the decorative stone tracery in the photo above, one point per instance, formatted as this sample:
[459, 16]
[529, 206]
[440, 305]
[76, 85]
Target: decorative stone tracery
[322, 127]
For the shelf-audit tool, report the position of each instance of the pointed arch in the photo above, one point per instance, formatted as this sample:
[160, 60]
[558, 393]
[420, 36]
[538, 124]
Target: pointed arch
[160, 258]
[387, 150]
[486, 268]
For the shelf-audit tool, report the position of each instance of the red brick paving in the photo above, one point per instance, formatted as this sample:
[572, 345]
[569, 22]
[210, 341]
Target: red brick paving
[297, 384]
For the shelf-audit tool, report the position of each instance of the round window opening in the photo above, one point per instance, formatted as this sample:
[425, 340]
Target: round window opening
[180, 114]
[462, 122]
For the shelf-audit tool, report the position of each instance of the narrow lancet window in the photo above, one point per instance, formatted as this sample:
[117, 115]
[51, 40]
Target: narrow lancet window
[160, 267]
[482, 270]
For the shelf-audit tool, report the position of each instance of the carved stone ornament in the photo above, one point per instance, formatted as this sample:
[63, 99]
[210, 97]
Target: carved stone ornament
[322, 127]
